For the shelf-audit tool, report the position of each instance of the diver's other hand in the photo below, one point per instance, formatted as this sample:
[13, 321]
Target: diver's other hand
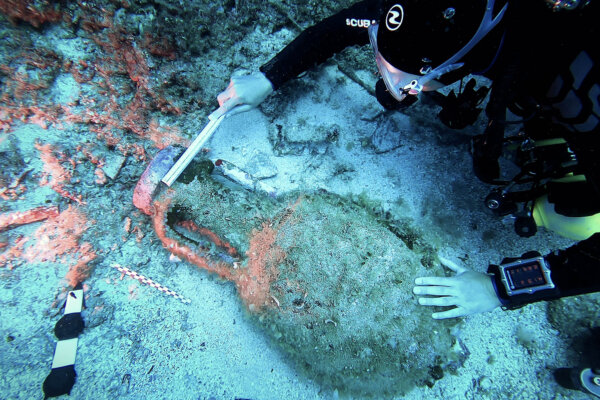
[245, 93]
[468, 291]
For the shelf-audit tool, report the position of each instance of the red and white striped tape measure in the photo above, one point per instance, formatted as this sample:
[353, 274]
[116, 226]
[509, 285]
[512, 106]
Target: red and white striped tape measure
[150, 282]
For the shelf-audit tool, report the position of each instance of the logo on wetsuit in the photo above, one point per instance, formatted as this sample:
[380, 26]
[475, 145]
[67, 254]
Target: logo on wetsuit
[359, 23]
[394, 17]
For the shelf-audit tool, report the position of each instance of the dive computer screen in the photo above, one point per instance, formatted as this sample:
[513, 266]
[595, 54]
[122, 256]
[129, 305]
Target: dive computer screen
[525, 275]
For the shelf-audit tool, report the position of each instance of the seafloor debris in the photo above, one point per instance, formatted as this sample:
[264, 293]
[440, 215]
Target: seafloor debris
[18, 218]
[57, 239]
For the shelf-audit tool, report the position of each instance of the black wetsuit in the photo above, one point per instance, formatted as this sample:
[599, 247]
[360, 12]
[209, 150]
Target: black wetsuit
[548, 64]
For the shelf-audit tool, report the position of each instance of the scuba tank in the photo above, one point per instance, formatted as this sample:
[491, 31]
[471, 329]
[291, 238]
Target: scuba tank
[576, 228]
[542, 164]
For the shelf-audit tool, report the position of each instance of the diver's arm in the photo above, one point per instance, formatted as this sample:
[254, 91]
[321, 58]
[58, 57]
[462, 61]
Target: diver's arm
[573, 271]
[321, 41]
[313, 46]
[576, 270]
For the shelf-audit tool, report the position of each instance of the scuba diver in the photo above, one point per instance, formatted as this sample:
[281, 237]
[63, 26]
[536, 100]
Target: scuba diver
[544, 68]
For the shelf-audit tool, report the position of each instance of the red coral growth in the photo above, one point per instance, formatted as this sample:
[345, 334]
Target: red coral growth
[58, 238]
[20, 85]
[81, 270]
[41, 58]
[34, 12]
[191, 226]
[164, 136]
[101, 178]
[15, 252]
[16, 188]
[91, 154]
[55, 175]
[81, 71]
[136, 64]
[160, 47]
[222, 269]
[19, 95]
[254, 283]
[138, 152]
[127, 225]
[110, 113]
[124, 56]
[109, 117]
[264, 255]
[18, 218]
[42, 116]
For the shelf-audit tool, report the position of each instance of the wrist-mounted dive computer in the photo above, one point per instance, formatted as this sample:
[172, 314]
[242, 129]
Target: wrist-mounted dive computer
[522, 281]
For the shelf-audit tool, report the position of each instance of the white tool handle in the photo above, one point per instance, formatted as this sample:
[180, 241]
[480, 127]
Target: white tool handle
[215, 120]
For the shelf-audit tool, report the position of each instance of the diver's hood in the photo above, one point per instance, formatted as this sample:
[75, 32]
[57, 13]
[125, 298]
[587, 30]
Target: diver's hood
[418, 36]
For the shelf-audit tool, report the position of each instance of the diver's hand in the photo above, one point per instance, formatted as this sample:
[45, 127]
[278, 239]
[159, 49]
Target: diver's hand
[469, 291]
[245, 93]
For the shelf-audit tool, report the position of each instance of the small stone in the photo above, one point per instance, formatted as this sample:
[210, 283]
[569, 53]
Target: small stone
[174, 259]
[65, 89]
[436, 372]
[260, 166]
[114, 163]
[372, 113]
[485, 383]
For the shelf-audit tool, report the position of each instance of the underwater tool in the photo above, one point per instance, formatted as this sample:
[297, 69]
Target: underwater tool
[62, 377]
[520, 281]
[226, 173]
[169, 163]
[215, 120]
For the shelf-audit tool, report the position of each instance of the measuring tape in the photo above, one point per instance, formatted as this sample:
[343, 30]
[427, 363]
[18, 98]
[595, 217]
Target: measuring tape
[150, 282]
